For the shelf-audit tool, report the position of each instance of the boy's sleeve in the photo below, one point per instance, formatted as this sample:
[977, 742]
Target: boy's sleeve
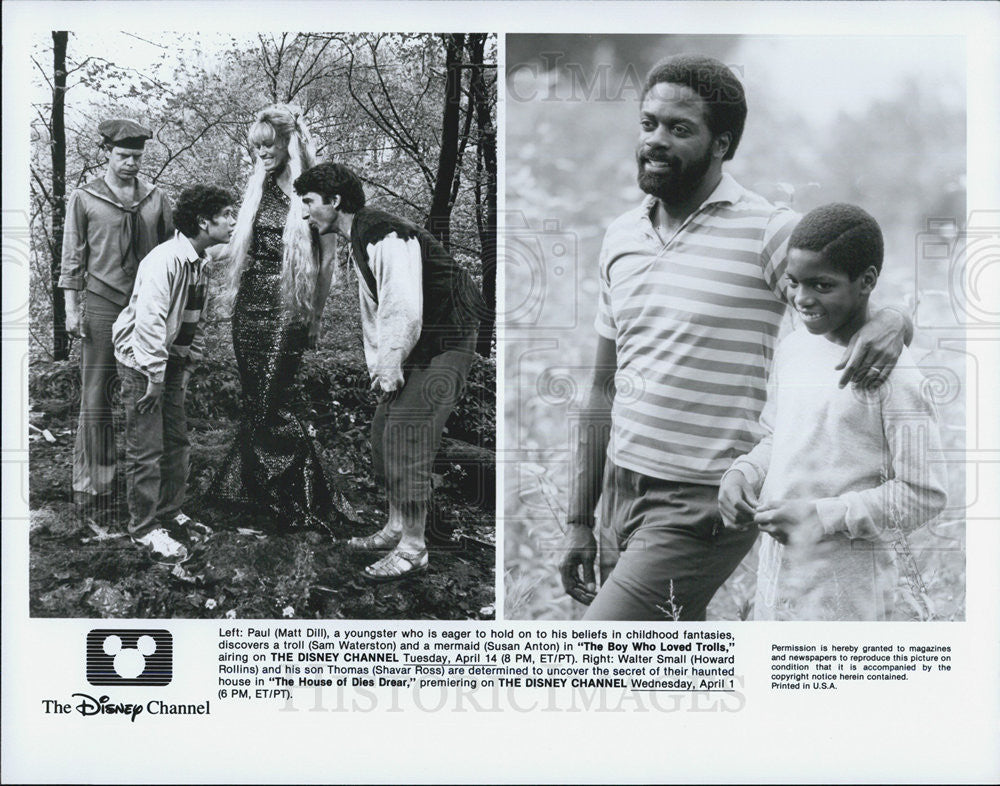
[754, 465]
[914, 489]
[397, 265]
[74, 248]
[152, 291]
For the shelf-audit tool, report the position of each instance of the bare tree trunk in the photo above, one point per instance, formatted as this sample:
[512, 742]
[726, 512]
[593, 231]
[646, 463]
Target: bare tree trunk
[60, 340]
[439, 219]
[486, 214]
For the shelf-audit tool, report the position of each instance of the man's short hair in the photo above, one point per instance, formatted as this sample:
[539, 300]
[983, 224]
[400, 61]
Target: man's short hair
[715, 84]
[330, 179]
[847, 237]
[199, 202]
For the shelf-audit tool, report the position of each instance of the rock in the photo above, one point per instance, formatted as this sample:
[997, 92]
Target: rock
[58, 520]
[109, 601]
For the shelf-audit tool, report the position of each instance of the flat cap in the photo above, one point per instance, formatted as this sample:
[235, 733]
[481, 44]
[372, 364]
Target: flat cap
[120, 132]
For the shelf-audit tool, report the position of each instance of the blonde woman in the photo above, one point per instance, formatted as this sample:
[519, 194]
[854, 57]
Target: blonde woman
[280, 276]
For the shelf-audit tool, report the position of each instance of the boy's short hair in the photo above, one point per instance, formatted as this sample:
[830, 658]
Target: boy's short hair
[725, 100]
[330, 179]
[847, 237]
[199, 202]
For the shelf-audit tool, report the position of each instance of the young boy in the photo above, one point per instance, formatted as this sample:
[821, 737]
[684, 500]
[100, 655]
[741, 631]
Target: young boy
[157, 340]
[841, 473]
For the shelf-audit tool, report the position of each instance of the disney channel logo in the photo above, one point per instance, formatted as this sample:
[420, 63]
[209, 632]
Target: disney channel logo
[89, 706]
[137, 656]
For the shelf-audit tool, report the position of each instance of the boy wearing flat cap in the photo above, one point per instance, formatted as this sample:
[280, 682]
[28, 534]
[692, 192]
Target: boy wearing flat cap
[112, 222]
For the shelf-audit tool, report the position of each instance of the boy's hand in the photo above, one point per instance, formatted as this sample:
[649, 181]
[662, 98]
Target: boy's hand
[737, 500]
[791, 521]
[150, 401]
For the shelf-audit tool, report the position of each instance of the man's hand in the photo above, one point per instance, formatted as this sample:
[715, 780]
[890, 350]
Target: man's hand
[791, 521]
[74, 319]
[150, 401]
[577, 565]
[872, 353]
[185, 378]
[737, 500]
[386, 382]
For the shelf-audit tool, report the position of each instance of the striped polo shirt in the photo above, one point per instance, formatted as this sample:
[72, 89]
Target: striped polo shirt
[694, 321]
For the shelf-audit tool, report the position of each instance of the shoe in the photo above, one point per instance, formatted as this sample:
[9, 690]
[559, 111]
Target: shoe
[396, 565]
[185, 523]
[377, 542]
[170, 551]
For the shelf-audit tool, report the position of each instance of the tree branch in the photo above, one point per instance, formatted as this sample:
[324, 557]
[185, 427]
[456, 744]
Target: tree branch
[45, 76]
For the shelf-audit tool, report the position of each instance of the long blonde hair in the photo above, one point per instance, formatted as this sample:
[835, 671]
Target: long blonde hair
[279, 123]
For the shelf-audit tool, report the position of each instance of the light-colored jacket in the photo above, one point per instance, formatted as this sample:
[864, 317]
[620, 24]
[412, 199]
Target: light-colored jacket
[157, 322]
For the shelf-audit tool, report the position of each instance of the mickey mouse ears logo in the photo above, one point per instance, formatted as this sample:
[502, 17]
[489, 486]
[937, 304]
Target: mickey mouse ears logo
[129, 657]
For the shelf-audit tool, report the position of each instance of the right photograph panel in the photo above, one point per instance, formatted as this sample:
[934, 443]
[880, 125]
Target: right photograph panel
[734, 328]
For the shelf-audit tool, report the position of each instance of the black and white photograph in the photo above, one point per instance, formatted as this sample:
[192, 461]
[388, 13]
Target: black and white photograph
[735, 379]
[262, 346]
[521, 374]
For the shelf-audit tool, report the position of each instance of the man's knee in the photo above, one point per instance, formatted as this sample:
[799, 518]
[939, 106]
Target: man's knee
[407, 480]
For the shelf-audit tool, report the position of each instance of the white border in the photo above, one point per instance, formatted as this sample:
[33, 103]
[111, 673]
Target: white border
[944, 731]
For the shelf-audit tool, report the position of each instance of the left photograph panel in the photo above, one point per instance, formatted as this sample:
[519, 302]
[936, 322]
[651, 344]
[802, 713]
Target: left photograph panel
[263, 345]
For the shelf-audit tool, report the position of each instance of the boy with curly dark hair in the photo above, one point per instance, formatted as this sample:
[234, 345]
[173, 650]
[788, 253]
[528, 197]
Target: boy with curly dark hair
[158, 340]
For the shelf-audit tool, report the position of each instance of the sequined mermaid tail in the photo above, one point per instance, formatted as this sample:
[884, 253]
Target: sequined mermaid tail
[273, 464]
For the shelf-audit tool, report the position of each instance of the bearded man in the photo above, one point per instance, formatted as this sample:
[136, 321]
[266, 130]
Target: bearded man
[691, 300]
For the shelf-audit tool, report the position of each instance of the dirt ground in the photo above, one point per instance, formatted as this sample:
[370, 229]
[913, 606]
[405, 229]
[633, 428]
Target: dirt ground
[247, 568]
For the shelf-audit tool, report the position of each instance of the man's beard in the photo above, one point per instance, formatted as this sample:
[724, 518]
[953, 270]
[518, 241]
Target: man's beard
[677, 185]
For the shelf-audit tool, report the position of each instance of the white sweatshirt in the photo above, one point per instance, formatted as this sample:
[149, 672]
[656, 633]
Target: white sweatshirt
[870, 460]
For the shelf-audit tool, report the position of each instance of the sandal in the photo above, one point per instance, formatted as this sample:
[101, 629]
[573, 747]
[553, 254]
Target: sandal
[377, 542]
[397, 565]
